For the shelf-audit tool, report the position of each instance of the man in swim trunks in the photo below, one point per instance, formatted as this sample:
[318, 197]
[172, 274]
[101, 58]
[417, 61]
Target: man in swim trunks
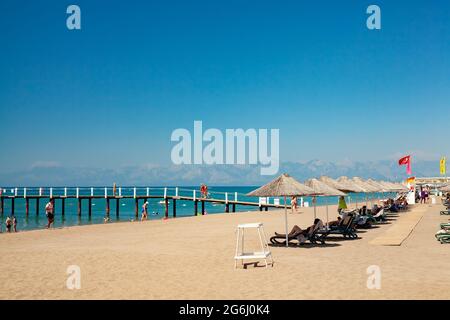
[49, 213]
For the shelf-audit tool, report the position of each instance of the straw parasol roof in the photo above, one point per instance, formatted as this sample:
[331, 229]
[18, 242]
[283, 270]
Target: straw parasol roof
[388, 187]
[367, 187]
[322, 188]
[378, 185]
[445, 188]
[400, 186]
[350, 186]
[331, 182]
[284, 185]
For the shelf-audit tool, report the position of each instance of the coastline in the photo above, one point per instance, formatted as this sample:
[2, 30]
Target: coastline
[193, 259]
[351, 204]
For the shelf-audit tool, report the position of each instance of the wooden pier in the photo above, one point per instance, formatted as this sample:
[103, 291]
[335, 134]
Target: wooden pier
[138, 194]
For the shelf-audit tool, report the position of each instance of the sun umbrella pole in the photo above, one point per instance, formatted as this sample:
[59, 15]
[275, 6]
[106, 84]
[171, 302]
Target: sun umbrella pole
[285, 221]
[315, 203]
[326, 202]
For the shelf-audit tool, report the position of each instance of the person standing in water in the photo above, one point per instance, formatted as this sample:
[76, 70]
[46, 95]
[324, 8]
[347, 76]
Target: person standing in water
[144, 211]
[8, 223]
[14, 221]
[49, 212]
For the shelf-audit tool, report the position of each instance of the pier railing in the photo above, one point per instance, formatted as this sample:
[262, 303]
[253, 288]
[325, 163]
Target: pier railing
[174, 194]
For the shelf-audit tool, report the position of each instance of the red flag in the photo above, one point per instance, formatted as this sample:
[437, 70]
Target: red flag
[406, 161]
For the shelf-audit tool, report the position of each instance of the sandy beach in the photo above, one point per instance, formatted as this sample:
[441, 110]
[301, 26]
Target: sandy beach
[192, 258]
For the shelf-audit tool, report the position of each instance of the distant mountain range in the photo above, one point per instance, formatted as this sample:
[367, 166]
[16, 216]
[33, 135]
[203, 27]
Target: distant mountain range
[220, 175]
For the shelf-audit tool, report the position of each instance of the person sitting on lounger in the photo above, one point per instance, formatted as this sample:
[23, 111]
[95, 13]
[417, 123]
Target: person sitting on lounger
[335, 223]
[297, 231]
[375, 209]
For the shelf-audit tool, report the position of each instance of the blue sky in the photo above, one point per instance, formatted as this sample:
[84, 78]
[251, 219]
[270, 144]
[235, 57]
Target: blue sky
[110, 95]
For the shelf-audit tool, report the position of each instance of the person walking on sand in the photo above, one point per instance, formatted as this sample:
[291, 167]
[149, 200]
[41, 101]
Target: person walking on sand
[294, 204]
[144, 211]
[49, 213]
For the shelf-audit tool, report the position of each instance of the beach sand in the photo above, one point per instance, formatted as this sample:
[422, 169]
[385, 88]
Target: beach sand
[192, 258]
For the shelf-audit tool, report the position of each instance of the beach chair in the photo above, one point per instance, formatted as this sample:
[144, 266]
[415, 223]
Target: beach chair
[347, 228]
[445, 212]
[314, 237]
[380, 216]
[443, 236]
[445, 225]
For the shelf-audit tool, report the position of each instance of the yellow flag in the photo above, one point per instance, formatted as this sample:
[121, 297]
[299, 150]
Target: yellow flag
[443, 166]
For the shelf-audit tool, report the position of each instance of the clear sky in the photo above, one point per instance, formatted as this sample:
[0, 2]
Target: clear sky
[111, 93]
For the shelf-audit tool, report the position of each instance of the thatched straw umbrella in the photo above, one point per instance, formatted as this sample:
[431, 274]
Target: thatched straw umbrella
[283, 186]
[367, 187]
[344, 187]
[379, 185]
[351, 187]
[445, 188]
[324, 189]
[333, 183]
[391, 186]
[381, 188]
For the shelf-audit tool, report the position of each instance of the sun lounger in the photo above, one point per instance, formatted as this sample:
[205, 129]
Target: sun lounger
[443, 236]
[445, 212]
[445, 225]
[346, 229]
[380, 216]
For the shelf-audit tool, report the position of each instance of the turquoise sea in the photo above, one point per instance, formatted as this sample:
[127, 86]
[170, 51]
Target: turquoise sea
[127, 206]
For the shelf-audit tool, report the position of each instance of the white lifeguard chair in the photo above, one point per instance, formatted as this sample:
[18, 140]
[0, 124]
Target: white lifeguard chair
[264, 254]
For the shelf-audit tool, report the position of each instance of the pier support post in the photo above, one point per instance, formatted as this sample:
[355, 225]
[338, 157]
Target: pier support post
[63, 206]
[2, 205]
[260, 208]
[234, 207]
[117, 207]
[196, 207]
[166, 212]
[107, 207]
[266, 208]
[227, 208]
[79, 206]
[174, 209]
[37, 206]
[12, 205]
[203, 207]
[90, 206]
[136, 207]
[27, 206]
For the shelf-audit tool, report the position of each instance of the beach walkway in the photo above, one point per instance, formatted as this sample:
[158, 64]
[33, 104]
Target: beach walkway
[395, 235]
